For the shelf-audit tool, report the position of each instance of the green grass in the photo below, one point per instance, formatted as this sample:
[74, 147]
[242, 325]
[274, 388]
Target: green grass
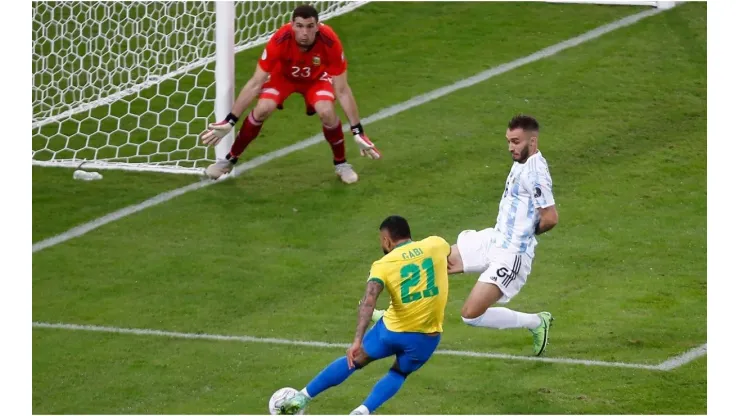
[135, 375]
[59, 202]
[283, 250]
[376, 80]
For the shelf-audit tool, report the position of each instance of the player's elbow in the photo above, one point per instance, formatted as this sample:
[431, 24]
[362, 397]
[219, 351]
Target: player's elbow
[548, 224]
[549, 216]
[548, 220]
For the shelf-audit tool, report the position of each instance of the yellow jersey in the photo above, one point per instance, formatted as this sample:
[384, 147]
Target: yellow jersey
[415, 276]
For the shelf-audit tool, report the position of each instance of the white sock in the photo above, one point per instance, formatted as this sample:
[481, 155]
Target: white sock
[504, 318]
[362, 410]
[305, 393]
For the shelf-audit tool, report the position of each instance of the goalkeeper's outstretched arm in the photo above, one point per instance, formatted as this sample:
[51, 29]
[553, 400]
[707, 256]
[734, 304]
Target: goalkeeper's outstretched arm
[346, 99]
[218, 130]
[250, 91]
[349, 105]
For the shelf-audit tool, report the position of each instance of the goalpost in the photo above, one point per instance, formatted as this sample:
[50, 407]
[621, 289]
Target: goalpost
[130, 85]
[658, 4]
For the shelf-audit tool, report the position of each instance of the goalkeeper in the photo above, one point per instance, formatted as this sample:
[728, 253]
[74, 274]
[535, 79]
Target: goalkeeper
[306, 57]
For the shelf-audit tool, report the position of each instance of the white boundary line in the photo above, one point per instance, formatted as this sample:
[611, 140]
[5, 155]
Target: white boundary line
[684, 358]
[664, 366]
[380, 115]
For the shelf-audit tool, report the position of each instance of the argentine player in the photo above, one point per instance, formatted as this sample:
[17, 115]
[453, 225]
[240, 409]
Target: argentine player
[415, 275]
[304, 57]
[503, 254]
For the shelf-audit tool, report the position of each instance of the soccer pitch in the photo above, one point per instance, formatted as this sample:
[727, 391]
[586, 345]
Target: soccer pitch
[283, 250]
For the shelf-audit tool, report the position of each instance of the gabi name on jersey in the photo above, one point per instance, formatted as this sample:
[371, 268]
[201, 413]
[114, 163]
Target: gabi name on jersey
[413, 253]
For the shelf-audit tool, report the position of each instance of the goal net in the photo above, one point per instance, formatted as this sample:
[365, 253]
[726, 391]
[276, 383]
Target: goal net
[130, 85]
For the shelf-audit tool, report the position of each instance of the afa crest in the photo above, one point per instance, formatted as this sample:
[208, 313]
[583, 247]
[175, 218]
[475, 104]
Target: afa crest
[316, 61]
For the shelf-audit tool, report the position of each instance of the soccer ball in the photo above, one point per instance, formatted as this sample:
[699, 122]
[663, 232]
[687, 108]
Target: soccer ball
[286, 393]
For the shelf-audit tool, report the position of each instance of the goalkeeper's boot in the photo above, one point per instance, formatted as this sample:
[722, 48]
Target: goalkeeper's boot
[541, 334]
[294, 405]
[345, 172]
[220, 168]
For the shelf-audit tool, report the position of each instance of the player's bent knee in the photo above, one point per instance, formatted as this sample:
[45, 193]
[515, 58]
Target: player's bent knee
[396, 368]
[471, 321]
[325, 110]
[264, 108]
[399, 372]
[471, 313]
[362, 359]
[328, 118]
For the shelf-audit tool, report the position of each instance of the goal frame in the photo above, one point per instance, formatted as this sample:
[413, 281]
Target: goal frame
[656, 4]
[224, 57]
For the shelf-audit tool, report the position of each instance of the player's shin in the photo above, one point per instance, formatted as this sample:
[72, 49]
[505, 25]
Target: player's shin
[249, 131]
[384, 389]
[334, 374]
[504, 318]
[335, 137]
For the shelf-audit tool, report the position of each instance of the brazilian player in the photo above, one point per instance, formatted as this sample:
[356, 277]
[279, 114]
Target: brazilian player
[415, 275]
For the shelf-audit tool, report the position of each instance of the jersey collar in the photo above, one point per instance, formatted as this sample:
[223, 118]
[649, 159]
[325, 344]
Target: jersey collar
[403, 244]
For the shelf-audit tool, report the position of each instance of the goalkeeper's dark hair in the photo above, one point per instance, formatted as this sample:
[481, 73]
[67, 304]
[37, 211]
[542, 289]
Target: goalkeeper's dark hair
[397, 227]
[305, 11]
[524, 122]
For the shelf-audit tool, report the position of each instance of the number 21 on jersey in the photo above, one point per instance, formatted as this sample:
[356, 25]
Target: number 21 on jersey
[411, 275]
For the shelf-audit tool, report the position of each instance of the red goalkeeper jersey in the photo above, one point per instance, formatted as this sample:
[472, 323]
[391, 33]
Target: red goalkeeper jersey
[283, 55]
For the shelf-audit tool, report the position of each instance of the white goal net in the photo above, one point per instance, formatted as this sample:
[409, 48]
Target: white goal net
[130, 85]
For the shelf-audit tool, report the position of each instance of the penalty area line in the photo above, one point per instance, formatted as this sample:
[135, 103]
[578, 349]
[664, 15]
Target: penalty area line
[380, 115]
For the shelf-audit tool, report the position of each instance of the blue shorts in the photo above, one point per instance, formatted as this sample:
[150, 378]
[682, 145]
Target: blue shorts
[412, 349]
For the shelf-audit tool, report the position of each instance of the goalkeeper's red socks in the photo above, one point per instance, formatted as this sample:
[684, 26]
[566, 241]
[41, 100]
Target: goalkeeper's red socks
[249, 131]
[335, 137]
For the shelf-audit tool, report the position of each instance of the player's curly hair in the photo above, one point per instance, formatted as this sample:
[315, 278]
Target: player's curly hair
[524, 122]
[397, 227]
[305, 11]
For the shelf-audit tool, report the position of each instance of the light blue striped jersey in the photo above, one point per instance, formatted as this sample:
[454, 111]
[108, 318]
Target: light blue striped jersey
[528, 187]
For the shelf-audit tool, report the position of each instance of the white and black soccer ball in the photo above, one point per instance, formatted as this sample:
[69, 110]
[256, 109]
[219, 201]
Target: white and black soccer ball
[286, 393]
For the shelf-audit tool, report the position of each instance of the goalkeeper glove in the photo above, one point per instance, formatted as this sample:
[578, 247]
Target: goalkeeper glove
[367, 148]
[217, 131]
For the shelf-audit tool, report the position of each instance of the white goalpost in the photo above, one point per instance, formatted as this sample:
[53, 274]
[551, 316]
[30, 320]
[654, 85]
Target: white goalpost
[658, 4]
[130, 85]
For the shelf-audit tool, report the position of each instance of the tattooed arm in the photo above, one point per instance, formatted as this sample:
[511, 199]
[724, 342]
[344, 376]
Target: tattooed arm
[364, 315]
[367, 306]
